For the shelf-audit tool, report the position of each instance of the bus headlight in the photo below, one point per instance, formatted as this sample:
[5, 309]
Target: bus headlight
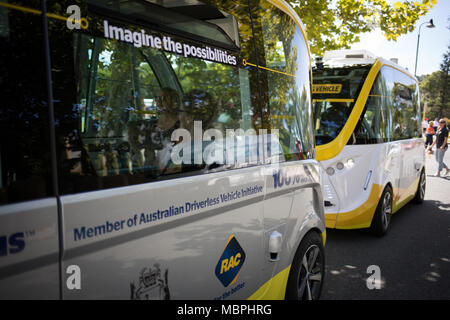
[350, 163]
[340, 166]
[330, 171]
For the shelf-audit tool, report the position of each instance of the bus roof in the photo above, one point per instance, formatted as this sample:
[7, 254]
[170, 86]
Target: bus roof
[343, 58]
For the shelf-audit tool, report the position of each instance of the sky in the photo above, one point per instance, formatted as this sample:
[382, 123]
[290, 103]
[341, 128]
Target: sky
[433, 42]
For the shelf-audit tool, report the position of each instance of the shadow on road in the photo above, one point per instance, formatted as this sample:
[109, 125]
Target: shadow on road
[414, 257]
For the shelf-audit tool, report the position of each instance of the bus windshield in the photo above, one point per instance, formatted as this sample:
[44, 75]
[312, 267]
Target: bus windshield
[335, 91]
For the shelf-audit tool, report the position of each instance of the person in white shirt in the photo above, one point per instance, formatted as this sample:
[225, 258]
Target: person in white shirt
[424, 125]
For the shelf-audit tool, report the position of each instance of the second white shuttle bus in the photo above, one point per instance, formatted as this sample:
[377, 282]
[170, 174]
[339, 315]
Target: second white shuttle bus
[367, 128]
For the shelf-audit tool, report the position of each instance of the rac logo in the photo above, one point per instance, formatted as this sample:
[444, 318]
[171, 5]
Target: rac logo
[234, 261]
[14, 243]
[230, 262]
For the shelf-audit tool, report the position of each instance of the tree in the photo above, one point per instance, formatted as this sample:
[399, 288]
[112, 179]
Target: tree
[435, 88]
[337, 24]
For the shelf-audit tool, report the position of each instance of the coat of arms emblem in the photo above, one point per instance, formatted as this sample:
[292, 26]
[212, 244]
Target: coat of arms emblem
[151, 285]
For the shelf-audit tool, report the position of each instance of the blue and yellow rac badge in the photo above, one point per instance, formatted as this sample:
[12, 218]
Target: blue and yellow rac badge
[230, 262]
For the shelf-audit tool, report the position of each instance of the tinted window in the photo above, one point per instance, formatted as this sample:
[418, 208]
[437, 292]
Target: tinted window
[131, 96]
[373, 126]
[285, 82]
[407, 125]
[24, 143]
[335, 91]
[404, 108]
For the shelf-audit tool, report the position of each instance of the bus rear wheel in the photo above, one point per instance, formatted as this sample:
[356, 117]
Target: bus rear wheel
[383, 213]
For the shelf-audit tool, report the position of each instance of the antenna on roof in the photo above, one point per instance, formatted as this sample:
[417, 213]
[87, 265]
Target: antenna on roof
[319, 63]
[394, 60]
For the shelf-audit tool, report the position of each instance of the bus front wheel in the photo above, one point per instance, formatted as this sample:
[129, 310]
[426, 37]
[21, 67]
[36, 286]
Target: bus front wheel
[383, 213]
[420, 193]
[307, 270]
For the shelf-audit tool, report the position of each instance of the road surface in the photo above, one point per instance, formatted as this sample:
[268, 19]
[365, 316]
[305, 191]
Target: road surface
[413, 257]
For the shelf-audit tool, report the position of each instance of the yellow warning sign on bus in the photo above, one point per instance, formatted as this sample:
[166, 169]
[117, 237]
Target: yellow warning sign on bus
[327, 88]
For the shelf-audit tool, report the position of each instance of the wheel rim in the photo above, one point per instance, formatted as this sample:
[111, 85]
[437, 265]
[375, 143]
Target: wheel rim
[386, 210]
[311, 274]
[423, 183]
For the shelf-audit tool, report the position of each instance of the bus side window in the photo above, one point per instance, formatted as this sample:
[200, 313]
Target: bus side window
[372, 125]
[404, 91]
[401, 109]
[117, 98]
[373, 114]
[123, 100]
[386, 103]
[392, 103]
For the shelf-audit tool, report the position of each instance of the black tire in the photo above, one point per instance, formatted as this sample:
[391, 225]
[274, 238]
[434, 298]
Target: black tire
[420, 193]
[307, 270]
[382, 217]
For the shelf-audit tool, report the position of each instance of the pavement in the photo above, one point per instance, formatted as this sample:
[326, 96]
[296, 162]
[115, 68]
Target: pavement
[413, 257]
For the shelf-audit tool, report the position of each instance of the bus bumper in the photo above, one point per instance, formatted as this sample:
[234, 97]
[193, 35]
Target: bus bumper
[358, 218]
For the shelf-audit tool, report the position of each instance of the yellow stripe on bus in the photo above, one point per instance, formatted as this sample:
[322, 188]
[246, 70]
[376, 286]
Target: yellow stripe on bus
[246, 63]
[274, 289]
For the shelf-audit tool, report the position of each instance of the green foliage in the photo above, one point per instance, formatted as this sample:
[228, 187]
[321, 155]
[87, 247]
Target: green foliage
[435, 90]
[331, 27]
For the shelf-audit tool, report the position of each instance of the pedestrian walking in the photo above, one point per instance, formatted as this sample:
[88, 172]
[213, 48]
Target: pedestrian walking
[436, 124]
[429, 133]
[441, 146]
[424, 125]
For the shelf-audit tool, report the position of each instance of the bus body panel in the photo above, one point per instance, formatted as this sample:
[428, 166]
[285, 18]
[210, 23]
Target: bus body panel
[293, 207]
[187, 245]
[29, 250]
[397, 164]
[354, 185]
[184, 239]
[413, 162]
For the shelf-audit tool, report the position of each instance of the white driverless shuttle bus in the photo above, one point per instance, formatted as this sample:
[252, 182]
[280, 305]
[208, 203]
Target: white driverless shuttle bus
[157, 149]
[368, 137]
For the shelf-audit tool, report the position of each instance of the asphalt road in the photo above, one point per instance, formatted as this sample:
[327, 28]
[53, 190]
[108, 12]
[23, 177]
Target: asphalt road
[413, 257]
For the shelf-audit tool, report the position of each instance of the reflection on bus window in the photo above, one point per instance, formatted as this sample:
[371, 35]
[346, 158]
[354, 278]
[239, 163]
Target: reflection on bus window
[288, 91]
[121, 103]
[122, 108]
[136, 98]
